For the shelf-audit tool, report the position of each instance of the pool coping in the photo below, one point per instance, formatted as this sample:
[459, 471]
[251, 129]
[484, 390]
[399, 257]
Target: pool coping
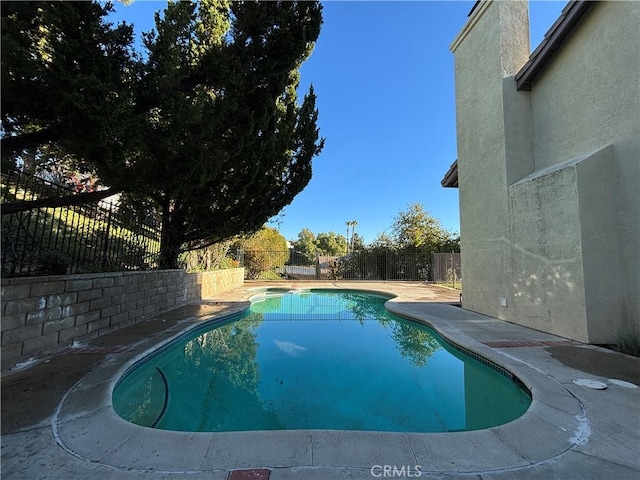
[86, 425]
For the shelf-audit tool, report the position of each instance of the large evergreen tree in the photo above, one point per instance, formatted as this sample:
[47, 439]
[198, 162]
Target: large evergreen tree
[66, 77]
[213, 130]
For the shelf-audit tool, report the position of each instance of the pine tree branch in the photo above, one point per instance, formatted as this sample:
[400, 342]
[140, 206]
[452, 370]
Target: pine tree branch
[53, 202]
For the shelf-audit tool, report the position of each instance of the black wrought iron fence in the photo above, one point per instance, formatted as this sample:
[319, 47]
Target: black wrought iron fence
[446, 268]
[361, 265]
[73, 239]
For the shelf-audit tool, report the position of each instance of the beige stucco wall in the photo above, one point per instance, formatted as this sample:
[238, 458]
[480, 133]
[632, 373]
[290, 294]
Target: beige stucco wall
[549, 179]
[587, 98]
[482, 150]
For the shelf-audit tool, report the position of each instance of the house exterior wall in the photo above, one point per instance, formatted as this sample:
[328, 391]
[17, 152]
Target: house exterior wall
[480, 69]
[549, 179]
[586, 99]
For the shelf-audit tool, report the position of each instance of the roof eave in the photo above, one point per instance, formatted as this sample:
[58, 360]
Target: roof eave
[552, 41]
[450, 179]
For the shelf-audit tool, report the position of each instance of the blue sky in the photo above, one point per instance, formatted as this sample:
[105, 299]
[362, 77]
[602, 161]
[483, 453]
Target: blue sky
[383, 76]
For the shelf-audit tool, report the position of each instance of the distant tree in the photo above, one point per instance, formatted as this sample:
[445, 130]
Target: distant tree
[383, 241]
[357, 243]
[415, 229]
[331, 244]
[264, 251]
[207, 125]
[306, 244]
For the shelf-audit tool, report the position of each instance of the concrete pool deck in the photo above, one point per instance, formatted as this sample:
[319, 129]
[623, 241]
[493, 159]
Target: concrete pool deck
[58, 423]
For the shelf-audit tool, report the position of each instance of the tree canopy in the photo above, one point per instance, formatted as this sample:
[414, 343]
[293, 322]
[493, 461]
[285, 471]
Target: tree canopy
[329, 243]
[263, 250]
[207, 124]
[66, 75]
[414, 229]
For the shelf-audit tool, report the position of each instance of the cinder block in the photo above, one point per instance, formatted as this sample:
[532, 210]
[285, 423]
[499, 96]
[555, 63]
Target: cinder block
[104, 282]
[100, 303]
[142, 303]
[84, 318]
[157, 300]
[15, 320]
[86, 295]
[128, 306]
[118, 299]
[97, 325]
[25, 305]
[12, 292]
[112, 291]
[131, 297]
[110, 311]
[45, 315]
[75, 309]
[149, 309]
[151, 292]
[77, 285]
[63, 299]
[57, 325]
[131, 288]
[122, 281]
[70, 334]
[136, 314]
[119, 319]
[41, 344]
[21, 334]
[46, 288]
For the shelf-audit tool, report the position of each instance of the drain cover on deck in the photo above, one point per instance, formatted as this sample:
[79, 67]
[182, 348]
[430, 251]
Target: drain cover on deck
[584, 382]
[250, 474]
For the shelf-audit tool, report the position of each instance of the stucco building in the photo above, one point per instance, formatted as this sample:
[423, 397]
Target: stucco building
[549, 168]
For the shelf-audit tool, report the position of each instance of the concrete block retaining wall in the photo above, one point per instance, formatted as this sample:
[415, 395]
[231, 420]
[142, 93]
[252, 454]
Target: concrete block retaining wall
[43, 315]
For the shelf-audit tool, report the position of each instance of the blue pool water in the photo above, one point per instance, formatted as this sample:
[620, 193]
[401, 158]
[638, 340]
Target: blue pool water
[319, 359]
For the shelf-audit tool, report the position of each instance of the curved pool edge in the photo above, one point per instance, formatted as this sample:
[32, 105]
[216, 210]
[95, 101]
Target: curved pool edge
[86, 425]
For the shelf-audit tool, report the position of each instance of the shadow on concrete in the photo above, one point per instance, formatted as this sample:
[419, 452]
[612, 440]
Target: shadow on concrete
[597, 362]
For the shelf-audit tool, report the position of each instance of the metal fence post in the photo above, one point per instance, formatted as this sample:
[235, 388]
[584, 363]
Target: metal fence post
[318, 269]
[105, 248]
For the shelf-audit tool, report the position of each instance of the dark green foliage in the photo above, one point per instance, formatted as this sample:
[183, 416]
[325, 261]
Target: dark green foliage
[64, 82]
[309, 245]
[208, 125]
[225, 144]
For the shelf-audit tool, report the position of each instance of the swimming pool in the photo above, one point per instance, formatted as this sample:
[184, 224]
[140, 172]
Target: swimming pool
[318, 359]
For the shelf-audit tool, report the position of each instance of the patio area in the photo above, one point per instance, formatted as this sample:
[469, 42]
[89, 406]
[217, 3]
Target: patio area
[57, 420]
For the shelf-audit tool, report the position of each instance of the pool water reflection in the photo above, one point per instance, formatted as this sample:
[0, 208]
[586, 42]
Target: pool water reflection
[317, 359]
